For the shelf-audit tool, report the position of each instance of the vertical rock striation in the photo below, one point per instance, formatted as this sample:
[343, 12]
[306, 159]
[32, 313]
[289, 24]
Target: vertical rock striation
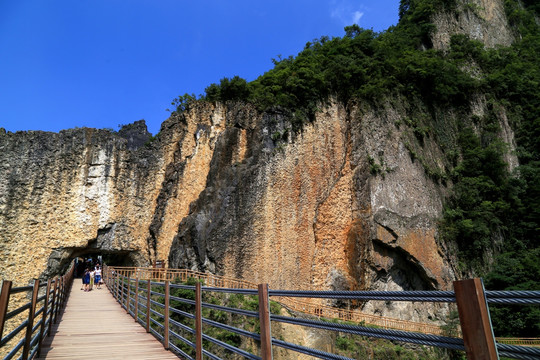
[345, 203]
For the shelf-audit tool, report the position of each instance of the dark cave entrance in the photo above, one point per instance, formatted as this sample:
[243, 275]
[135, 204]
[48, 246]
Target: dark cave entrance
[60, 259]
[92, 257]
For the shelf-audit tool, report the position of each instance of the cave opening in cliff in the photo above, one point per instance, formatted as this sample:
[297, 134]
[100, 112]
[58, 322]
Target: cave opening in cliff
[60, 259]
[90, 257]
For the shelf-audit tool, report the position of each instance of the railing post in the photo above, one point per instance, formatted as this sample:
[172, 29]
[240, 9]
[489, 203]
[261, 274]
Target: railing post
[166, 316]
[474, 318]
[148, 290]
[44, 317]
[117, 285]
[198, 321]
[4, 301]
[62, 301]
[264, 320]
[31, 315]
[136, 311]
[128, 288]
[121, 279]
[56, 299]
[53, 303]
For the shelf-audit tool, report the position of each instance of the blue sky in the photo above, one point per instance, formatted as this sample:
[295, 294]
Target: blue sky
[101, 63]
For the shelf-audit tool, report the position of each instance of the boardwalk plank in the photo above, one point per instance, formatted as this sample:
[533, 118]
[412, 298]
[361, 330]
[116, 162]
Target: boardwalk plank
[95, 326]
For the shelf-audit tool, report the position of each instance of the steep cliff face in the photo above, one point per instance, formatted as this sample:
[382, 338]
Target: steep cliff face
[310, 210]
[350, 201]
[342, 204]
[482, 20]
[94, 191]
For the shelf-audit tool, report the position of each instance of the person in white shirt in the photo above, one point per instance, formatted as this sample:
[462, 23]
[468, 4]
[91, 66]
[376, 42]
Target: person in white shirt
[97, 277]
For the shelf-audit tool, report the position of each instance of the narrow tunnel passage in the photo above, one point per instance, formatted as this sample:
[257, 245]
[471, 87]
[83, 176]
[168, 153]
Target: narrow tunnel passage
[60, 259]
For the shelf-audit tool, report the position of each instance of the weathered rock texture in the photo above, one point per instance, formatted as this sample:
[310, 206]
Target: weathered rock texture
[341, 204]
[348, 202]
[307, 212]
[85, 190]
[483, 20]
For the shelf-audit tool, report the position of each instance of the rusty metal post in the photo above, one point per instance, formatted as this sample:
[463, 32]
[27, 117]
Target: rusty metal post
[117, 286]
[60, 301]
[121, 289]
[128, 288]
[166, 316]
[62, 294]
[149, 290]
[474, 318]
[136, 311]
[198, 321]
[53, 303]
[264, 320]
[44, 318]
[56, 299]
[31, 315]
[4, 301]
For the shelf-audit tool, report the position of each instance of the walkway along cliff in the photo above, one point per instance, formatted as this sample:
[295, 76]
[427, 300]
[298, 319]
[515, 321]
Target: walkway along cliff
[351, 200]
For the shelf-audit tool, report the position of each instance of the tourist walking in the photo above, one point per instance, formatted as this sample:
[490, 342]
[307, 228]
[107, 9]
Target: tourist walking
[97, 277]
[92, 274]
[86, 279]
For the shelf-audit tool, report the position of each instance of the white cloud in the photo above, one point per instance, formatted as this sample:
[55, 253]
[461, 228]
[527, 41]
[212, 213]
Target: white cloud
[344, 11]
[356, 16]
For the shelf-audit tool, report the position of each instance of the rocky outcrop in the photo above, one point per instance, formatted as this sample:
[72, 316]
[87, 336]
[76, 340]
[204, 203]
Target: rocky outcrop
[351, 201]
[345, 203]
[308, 210]
[482, 20]
[85, 191]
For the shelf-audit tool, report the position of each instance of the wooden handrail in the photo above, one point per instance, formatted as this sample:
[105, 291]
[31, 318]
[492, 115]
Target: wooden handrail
[519, 341]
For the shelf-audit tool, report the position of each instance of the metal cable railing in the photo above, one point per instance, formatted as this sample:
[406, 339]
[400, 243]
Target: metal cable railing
[151, 301]
[230, 285]
[30, 323]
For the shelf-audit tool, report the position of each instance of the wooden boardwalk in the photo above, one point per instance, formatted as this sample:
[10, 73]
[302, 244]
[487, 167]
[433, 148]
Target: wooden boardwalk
[94, 326]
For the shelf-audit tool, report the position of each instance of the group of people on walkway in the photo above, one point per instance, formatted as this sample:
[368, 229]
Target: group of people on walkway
[92, 277]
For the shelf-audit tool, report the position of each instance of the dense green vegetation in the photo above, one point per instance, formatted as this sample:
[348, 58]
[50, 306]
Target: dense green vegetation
[493, 215]
[493, 208]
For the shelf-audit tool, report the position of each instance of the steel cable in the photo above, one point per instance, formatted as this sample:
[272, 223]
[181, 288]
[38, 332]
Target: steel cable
[183, 313]
[182, 326]
[231, 310]
[229, 290]
[514, 301]
[308, 351]
[232, 329]
[432, 296]
[404, 336]
[158, 304]
[186, 301]
[13, 333]
[177, 350]
[183, 287]
[512, 293]
[231, 348]
[521, 350]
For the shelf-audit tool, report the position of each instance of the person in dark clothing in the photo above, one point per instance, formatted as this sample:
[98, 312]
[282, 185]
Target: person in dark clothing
[86, 279]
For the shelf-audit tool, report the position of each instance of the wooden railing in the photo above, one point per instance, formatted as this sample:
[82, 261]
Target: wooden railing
[306, 307]
[519, 341]
[31, 322]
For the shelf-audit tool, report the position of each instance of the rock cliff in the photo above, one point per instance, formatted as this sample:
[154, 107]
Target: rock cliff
[347, 202]
[482, 20]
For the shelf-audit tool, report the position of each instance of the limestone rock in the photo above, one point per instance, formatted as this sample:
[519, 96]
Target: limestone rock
[482, 20]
